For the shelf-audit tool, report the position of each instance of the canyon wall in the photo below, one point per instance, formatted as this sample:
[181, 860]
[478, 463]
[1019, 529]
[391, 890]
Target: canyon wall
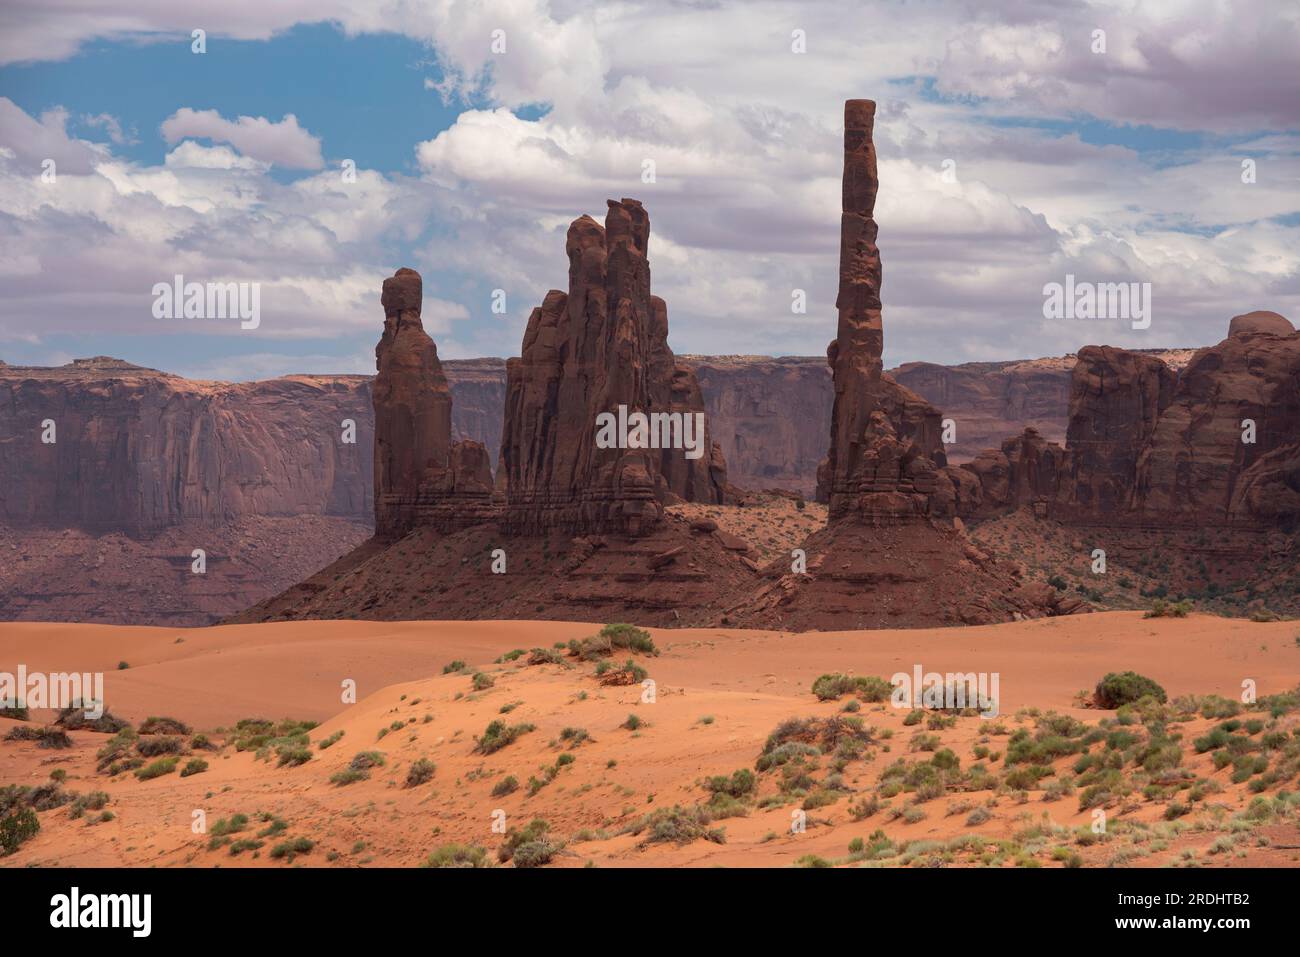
[137, 451]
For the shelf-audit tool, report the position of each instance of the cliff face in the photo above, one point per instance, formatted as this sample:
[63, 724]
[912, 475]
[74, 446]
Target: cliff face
[1116, 399]
[1226, 447]
[770, 416]
[1216, 445]
[478, 392]
[138, 451]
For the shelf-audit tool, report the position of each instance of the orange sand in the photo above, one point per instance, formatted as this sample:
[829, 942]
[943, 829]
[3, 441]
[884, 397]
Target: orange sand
[746, 682]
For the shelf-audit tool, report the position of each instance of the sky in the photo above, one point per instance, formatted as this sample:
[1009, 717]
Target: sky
[1018, 143]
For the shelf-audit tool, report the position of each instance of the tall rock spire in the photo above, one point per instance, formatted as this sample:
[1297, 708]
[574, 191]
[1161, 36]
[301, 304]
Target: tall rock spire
[419, 474]
[597, 349]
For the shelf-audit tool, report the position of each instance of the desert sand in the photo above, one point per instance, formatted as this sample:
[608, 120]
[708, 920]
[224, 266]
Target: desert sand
[719, 694]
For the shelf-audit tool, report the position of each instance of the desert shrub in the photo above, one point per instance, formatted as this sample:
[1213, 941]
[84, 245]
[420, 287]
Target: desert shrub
[227, 826]
[55, 738]
[679, 825]
[1165, 609]
[358, 768]
[94, 801]
[864, 808]
[332, 740]
[572, 737]
[611, 638]
[498, 735]
[420, 772]
[164, 726]
[73, 718]
[254, 734]
[157, 769]
[454, 667]
[545, 656]
[292, 848]
[154, 747]
[507, 785]
[632, 723]
[1120, 688]
[483, 681]
[116, 754]
[47, 796]
[825, 734]
[867, 687]
[529, 847]
[630, 673]
[245, 844]
[458, 855]
[194, 766]
[16, 827]
[292, 755]
[742, 783]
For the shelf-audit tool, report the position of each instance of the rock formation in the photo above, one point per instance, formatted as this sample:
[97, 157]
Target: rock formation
[991, 400]
[1203, 464]
[1116, 397]
[891, 554]
[874, 470]
[139, 451]
[600, 348]
[1025, 470]
[420, 478]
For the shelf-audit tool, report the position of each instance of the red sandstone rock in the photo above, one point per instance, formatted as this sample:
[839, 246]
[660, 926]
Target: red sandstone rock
[1116, 398]
[141, 451]
[420, 480]
[598, 347]
[1196, 467]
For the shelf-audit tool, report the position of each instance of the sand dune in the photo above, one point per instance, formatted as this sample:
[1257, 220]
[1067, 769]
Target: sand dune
[720, 693]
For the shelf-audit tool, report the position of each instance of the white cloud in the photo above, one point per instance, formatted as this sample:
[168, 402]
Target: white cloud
[745, 138]
[31, 141]
[284, 143]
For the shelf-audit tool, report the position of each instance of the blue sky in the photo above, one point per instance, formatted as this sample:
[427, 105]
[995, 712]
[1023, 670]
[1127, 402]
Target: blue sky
[1120, 167]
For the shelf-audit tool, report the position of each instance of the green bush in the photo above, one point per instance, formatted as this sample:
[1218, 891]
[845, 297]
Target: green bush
[194, 766]
[158, 768]
[498, 735]
[458, 855]
[1164, 609]
[867, 687]
[17, 827]
[507, 785]
[1120, 688]
[420, 772]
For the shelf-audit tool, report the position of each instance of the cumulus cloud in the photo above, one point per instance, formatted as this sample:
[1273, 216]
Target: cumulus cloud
[82, 254]
[31, 141]
[983, 197]
[284, 143]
